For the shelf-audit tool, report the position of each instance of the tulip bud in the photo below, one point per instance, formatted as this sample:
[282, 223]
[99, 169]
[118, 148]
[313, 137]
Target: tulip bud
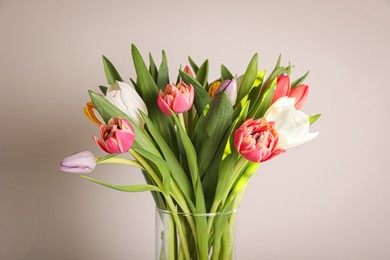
[213, 88]
[257, 140]
[282, 87]
[81, 162]
[188, 71]
[230, 88]
[126, 98]
[176, 98]
[116, 137]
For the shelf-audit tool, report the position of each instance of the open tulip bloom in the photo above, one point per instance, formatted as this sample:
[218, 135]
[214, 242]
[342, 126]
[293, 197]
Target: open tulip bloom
[197, 142]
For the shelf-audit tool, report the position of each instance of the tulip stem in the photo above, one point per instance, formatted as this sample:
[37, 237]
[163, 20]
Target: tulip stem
[124, 161]
[181, 119]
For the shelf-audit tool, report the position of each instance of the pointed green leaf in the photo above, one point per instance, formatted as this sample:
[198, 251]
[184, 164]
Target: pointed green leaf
[300, 80]
[225, 73]
[163, 74]
[130, 188]
[249, 78]
[153, 68]
[314, 118]
[112, 74]
[145, 83]
[177, 171]
[103, 89]
[264, 101]
[194, 67]
[203, 73]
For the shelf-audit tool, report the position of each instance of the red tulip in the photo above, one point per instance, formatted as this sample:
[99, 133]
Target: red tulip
[176, 98]
[283, 89]
[116, 137]
[257, 140]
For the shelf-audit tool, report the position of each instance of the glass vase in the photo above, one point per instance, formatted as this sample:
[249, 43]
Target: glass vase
[194, 236]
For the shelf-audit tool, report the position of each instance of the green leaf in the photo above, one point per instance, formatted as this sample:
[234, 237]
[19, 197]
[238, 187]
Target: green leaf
[202, 98]
[112, 74]
[163, 74]
[145, 83]
[300, 80]
[264, 101]
[314, 118]
[103, 89]
[200, 206]
[210, 130]
[108, 156]
[194, 67]
[202, 74]
[153, 68]
[161, 167]
[249, 78]
[176, 169]
[225, 73]
[130, 188]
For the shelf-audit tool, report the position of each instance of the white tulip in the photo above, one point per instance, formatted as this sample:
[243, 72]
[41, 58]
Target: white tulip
[126, 98]
[292, 124]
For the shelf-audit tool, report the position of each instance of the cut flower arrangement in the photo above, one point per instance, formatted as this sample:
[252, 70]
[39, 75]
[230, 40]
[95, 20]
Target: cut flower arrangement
[197, 142]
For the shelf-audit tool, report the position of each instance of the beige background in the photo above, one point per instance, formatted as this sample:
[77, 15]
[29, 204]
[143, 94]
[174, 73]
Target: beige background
[326, 200]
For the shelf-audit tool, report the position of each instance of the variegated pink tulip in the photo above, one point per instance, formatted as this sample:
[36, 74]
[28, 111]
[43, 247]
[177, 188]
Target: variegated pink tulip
[283, 89]
[257, 140]
[116, 137]
[176, 98]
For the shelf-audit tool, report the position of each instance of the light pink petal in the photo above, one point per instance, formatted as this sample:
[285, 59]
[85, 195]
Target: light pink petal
[125, 140]
[252, 155]
[101, 144]
[112, 146]
[180, 104]
[163, 106]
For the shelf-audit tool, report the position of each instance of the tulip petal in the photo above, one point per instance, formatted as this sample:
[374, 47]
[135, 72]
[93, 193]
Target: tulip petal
[81, 162]
[124, 140]
[112, 145]
[163, 105]
[300, 94]
[252, 155]
[282, 87]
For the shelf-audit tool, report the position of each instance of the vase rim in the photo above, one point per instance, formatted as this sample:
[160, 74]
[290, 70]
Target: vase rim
[209, 214]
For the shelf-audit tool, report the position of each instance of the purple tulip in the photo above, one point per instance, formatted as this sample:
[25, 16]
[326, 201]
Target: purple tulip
[81, 162]
[230, 88]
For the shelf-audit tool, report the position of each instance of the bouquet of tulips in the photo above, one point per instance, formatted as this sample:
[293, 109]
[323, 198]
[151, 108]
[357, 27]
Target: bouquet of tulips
[197, 142]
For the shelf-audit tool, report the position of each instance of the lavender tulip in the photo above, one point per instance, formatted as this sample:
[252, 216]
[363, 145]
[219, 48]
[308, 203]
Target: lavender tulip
[81, 162]
[230, 88]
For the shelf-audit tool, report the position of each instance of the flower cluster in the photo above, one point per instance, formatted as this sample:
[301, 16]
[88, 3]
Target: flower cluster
[198, 142]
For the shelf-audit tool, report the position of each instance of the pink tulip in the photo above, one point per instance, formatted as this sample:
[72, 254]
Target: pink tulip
[116, 137]
[257, 140]
[176, 98]
[283, 89]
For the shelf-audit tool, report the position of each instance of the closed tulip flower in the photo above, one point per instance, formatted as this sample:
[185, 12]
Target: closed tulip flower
[257, 140]
[81, 162]
[126, 98]
[116, 137]
[230, 88]
[283, 89]
[291, 124]
[176, 98]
